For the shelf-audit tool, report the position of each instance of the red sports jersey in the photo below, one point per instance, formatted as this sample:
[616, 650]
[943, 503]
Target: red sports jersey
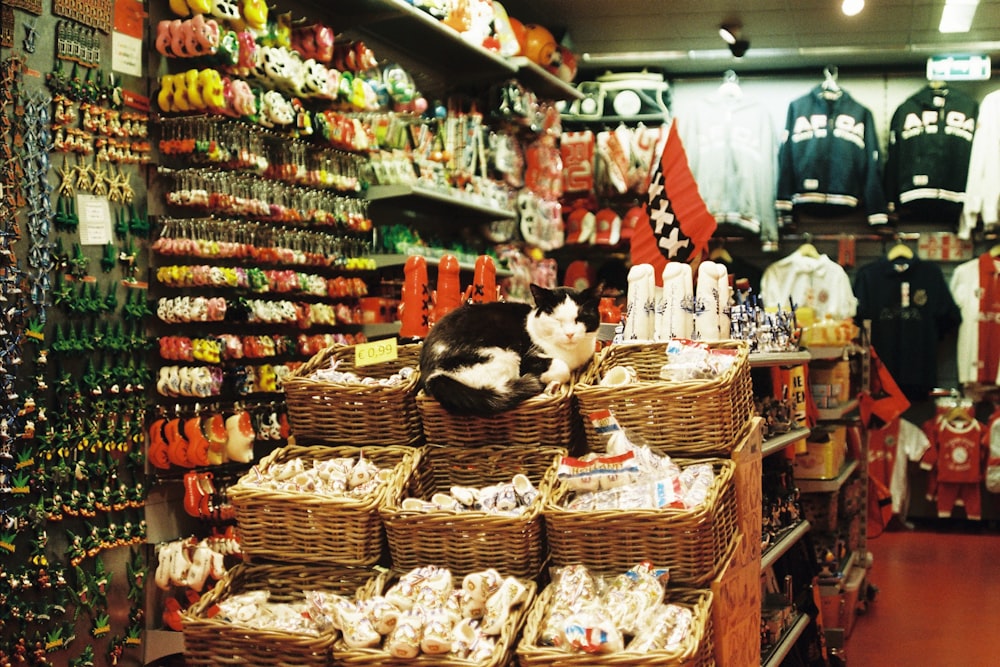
[956, 450]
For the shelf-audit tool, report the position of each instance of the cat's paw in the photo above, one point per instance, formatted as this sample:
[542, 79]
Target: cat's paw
[558, 373]
[553, 388]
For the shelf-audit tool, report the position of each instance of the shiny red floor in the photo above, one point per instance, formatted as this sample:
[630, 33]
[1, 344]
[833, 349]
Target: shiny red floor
[938, 599]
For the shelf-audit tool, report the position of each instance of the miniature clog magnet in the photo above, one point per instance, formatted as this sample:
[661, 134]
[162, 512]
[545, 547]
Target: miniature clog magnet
[193, 89]
[226, 10]
[180, 7]
[244, 101]
[200, 6]
[255, 14]
[212, 92]
[203, 37]
[165, 98]
[164, 38]
[239, 444]
[180, 100]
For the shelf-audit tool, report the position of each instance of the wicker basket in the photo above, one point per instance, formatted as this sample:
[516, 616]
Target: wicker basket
[693, 418]
[697, 650]
[340, 413]
[502, 655]
[295, 527]
[212, 641]
[547, 420]
[470, 541]
[693, 543]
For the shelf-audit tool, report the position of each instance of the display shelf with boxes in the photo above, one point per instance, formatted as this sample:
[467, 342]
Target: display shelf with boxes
[828, 485]
[830, 377]
[778, 442]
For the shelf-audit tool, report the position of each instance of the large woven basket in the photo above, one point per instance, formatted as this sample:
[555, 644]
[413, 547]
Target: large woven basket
[694, 418]
[212, 641]
[546, 419]
[502, 655]
[341, 413]
[692, 543]
[297, 527]
[470, 541]
[697, 650]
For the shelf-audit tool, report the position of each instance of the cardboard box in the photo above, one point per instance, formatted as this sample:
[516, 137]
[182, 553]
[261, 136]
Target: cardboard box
[826, 450]
[835, 376]
[736, 610]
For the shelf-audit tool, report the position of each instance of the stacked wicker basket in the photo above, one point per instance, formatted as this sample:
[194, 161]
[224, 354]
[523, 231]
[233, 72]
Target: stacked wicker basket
[294, 542]
[429, 451]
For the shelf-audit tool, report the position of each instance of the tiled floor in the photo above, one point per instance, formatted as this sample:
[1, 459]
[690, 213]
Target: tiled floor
[938, 600]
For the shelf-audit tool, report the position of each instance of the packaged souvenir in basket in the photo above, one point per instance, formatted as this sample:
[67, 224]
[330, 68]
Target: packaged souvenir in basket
[631, 476]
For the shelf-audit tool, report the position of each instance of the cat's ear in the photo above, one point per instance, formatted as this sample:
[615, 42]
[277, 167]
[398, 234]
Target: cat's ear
[594, 292]
[540, 294]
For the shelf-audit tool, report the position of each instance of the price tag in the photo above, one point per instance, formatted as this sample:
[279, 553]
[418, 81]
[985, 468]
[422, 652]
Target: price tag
[377, 352]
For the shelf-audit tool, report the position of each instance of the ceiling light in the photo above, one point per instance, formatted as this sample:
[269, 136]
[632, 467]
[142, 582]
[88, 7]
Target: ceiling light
[729, 33]
[957, 15]
[852, 7]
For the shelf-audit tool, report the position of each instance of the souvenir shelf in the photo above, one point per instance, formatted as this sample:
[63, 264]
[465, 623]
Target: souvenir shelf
[779, 442]
[839, 412]
[852, 468]
[781, 547]
[780, 650]
[428, 45]
[828, 485]
[794, 358]
[448, 201]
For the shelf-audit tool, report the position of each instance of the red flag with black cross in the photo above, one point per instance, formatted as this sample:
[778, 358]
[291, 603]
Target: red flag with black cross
[677, 224]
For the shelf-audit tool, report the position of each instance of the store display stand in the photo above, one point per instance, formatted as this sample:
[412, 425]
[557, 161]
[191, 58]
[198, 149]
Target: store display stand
[857, 562]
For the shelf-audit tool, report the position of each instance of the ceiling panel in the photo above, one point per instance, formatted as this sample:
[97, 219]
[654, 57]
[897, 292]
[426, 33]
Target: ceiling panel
[888, 33]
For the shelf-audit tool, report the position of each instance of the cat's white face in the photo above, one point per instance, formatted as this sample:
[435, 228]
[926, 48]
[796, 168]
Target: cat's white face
[561, 327]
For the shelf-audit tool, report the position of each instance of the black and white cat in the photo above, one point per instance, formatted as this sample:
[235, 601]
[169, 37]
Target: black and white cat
[482, 359]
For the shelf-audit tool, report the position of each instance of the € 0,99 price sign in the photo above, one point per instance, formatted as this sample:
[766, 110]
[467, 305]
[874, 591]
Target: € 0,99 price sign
[376, 352]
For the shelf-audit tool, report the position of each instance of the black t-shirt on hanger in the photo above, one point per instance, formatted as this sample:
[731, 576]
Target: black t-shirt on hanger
[911, 309]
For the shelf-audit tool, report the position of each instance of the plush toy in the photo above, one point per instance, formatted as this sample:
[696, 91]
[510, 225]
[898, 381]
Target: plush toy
[503, 28]
[539, 45]
[564, 64]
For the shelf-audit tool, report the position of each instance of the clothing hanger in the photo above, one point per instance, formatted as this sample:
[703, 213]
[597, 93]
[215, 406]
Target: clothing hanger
[730, 84]
[958, 415]
[831, 89]
[720, 254]
[808, 250]
[899, 251]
